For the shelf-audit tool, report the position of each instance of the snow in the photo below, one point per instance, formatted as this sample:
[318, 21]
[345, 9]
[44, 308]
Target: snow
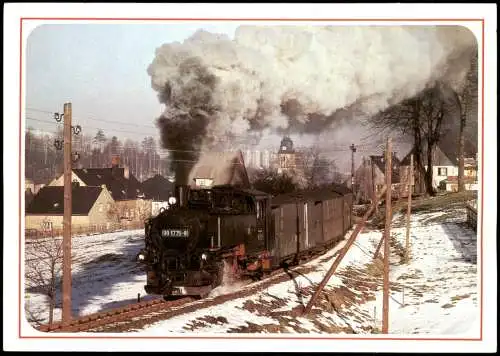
[435, 293]
[443, 270]
[104, 274]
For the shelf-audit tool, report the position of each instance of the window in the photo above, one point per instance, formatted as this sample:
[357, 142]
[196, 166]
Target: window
[204, 182]
[442, 172]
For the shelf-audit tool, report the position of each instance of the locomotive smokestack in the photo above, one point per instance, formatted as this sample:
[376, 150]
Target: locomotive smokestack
[181, 194]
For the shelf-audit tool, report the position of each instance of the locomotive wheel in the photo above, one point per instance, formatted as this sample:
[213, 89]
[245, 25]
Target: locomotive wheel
[257, 276]
[169, 298]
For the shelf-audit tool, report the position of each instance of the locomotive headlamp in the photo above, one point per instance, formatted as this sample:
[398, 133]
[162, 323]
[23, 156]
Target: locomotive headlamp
[172, 200]
[204, 256]
[141, 257]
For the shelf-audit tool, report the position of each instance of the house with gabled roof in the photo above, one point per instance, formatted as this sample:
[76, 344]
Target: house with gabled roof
[444, 167]
[90, 206]
[219, 168]
[369, 178]
[158, 189]
[124, 188]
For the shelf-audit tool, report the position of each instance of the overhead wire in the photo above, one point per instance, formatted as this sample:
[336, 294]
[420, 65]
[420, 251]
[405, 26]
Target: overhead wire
[396, 139]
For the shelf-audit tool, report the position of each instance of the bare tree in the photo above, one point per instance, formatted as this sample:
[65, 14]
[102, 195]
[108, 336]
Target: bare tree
[422, 117]
[272, 182]
[43, 269]
[317, 170]
[466, 97]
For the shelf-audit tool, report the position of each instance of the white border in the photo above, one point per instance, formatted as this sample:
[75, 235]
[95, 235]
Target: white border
[12, 14]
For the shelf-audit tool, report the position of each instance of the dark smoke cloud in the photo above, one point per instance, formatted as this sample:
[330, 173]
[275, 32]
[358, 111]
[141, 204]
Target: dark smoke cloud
[190, 108]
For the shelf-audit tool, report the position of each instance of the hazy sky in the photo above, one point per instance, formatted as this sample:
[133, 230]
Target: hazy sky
[102, 70]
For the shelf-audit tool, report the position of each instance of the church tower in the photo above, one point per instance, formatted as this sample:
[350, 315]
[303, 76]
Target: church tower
[286, 155]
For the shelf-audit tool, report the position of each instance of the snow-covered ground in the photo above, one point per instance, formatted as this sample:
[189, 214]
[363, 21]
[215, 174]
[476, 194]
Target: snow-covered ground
[436, 293]
[440, 283]
[104, 274]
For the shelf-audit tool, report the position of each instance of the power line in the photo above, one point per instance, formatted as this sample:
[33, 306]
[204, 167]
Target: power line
[378, 141]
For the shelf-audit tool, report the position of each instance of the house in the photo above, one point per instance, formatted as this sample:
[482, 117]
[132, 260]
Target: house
[369, 178]
[28, 197]
[33, 185]
[125, 189]
[470, 167]
[450, 184]
[258, 159]
[219, 168]
[158, 189]
[444, 167]
[90, 206]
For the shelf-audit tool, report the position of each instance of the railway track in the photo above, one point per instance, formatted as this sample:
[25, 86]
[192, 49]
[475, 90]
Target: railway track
[137, 315]
[100, 319]
[139, 322]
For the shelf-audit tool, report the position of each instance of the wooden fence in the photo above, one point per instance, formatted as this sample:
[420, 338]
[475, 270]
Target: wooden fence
[472, 214]
[85, 229]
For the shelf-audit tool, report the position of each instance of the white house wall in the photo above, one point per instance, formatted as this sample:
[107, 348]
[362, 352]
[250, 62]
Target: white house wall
[157, 205]
[451, 171]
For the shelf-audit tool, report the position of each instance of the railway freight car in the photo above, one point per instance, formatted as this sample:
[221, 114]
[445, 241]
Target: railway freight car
[188, 246]
[306, 222]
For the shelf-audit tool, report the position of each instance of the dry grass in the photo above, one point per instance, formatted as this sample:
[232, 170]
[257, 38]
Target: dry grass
[448, 201]
[459, 297]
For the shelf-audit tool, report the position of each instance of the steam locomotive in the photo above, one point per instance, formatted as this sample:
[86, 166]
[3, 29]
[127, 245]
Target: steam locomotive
[188, 246]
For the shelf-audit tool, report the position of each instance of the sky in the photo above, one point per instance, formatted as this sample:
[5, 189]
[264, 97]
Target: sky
[102, 70]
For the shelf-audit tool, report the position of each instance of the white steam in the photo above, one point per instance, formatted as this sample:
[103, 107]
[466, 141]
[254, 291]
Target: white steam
[320, 69]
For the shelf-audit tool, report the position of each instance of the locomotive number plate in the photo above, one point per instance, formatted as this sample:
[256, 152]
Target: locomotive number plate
[175, 233]
[178, 291]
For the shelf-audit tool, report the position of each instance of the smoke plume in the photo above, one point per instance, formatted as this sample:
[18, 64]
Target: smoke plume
[287, 79]
[189, 108]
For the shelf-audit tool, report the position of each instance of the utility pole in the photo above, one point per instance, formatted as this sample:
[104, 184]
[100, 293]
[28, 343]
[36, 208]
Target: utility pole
[374, 191]
[298, 231]
[69, 158]
[388, 218]
[66, 310]
[408, 213]
[353, 149]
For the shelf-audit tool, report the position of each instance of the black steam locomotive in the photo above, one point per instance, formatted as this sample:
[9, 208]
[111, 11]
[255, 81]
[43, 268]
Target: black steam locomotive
[188, 245]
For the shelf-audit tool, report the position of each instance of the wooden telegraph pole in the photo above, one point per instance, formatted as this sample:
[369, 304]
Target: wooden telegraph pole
[388, 218]
[298, 232]
[353, 149]
[66, 285]
[408, 212]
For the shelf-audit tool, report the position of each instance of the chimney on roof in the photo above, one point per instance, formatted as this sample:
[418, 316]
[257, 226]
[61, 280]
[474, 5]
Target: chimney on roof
[115, 161]
[115, 167]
